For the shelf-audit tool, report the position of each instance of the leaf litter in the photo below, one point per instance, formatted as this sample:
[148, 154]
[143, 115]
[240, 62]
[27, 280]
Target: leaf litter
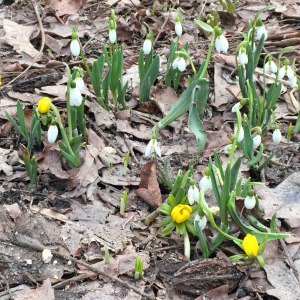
[87, 218]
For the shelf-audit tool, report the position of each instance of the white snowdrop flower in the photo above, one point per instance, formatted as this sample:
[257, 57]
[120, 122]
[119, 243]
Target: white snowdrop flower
[75, 47]
[46, 256]
[260, 30]
[152, 148]
[112, 35]
[52, 133]
[227, 149]
[79, 84]
[175, 63]
[205, 183]
[286, 70]
[241, 133]
[75, 97]
[256, 141]
[270, 67]
[276, 136]
[221, 44]
[250, 200]
[178, 28]
[202, 221]
[181, 64]
[147, 46]
[193, 194]
[242, 57]
[293, 82]
[236, 107]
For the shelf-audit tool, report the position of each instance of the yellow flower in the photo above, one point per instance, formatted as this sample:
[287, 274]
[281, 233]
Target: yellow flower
[44, 105]
[181, 213]
[250, 245]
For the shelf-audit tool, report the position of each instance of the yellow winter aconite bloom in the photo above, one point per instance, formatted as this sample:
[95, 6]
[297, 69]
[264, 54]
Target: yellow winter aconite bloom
[44, 105]
[250, 245]
[181, 213]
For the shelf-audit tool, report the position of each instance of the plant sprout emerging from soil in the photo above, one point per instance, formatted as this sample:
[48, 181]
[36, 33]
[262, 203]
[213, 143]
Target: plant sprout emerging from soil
[138, 268]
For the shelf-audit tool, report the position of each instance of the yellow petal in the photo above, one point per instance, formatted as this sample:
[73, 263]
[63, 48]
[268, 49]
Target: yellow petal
[250, 245]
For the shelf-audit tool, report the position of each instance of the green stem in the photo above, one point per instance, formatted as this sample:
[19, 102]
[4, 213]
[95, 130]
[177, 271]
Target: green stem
[209, 53]
[86, 64]
[62, 129]
[239, 124]
[187, 246]
[192, 65]
[69, 114]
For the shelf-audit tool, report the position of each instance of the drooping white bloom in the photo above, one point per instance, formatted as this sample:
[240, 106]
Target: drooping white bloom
[205, 183]
[202, 221]
[193, 194]
[75, 47]
[293, 82]
[52, 134]
[75, 97]
[178, 28]
[152, 148]
[241, 133]
[242, 57]
[221, 44]
[250, 202]
[181, 64]
[175, 63]
[147, 46]
[256, 141]
[227, 148]
[79, 84]
[276, 136]
[260, 30]
[112, 34]
[286, 71]
[236, 107]
[270, 67]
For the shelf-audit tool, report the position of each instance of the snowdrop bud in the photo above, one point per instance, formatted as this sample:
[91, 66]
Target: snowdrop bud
[75, 47]
[112, 34]
[147, 46]
[256, 141]
[221, 43]
[79, 84]
[52, 134]
[202, 221]
[236, 107]
[242, 56]
[75, 96]
[276, 135]
[241, 133]
[181, 65]
[293, 82]
[178, 28]
[152, 148]
[250, 200]
[270, 67]
[175, 63]
[205, 182]
[193, 194]
[261, 30]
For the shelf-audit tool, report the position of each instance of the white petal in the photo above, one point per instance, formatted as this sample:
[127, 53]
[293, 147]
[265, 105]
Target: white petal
[178, 28]
[243, 58]
[201, 221]
[256, 141]
[290, 72]
[75, 48]
[79, 84]
[75, 97]
[148, 149]
[52, 134]
[276, 136]
[112, 34]
[236, 107]
[281, 72]
[249, 202]
[147, 46]
[175, 63]
[222, 44]
[241, 134]
[260, 31]
[205, 183]
[156, 148]
[267, 68]
[293, 82]
[193, 195]
[273, 67]
[181, 65]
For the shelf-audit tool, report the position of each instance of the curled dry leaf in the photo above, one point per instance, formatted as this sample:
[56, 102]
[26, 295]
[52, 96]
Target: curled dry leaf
[149, 189]
[66, 7]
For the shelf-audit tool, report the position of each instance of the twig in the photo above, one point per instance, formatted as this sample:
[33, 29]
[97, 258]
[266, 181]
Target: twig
[64, 283]
[35, 246]
[7, 286]
[41, 49]
[162, 28]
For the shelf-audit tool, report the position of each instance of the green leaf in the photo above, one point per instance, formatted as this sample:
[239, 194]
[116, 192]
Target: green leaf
[180, 228]
[258, 156]
[165, 221]
[214, 182]
[204, 26]
[257, 53]
[168, 229]
[97, 72]
[202, 241]
[258, 225]
[247, 142]
[141, 65]
[116, 70]
[234, 173]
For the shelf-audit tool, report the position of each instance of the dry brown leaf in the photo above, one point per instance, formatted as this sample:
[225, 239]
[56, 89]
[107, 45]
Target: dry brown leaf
[141, 131]
[13, 210]
[164, 98]
[149, 189]
[66, 7]
[18, 36]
